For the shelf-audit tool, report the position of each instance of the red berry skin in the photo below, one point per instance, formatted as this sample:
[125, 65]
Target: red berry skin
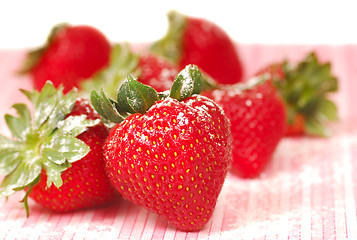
[210, 48]
[75, 54]
[156, 72]
[258, 122]
[297, 127]
[172, 160]
[85, 183]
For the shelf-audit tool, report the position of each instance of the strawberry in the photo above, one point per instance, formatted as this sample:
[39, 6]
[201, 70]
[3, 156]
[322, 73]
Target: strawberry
[172, 153]
[156, 72]
[198, 41]
[70, 55]
[148, 68]
[257, 115]
[304, 88]
[56, 154]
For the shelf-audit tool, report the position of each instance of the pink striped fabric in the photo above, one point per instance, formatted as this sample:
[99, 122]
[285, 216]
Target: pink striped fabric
[309, 190]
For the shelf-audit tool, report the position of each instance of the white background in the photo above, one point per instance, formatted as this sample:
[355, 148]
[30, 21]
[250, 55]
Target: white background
[27, 23]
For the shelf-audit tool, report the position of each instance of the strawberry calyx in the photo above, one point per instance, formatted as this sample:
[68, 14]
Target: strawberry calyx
[45, 140]
[170, 46]
[34, 56]
[187, 83]
[305, 88]
[135, 97]
[123, 61]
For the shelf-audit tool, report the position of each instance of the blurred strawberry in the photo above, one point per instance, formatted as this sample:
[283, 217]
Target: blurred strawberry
[257, 115]
[304, 88]
[70, 55]
[156, 72]
[198, 41]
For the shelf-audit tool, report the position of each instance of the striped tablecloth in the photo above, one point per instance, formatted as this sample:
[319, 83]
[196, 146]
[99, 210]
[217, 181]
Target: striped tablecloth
[309, 190]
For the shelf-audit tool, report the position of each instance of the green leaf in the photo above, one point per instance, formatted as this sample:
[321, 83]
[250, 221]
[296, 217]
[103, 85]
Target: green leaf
[135, 97]
[62, 149]
[63, 145]
[60, 104]
[328, 109]
[170, 46]
[305, 90]
[45, 104]
[187, 83]
[105, 107]
[96, 101]
[65, 103]
[7, 143]
[24, 116]
[9, 159]
[74, 125]
[23, 112]
[14, 125]
[54, 171]
[291, 114]
[315, 127]
[25, 173]
[19, 126]
[109, 108]
[32, 96]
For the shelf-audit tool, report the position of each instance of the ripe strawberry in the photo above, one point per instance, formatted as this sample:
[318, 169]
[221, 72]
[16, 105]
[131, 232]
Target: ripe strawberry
[156, 72]
[170, 156]
[70, 55]
[197, 41]
[56, 154]
[305, 88]
[148, 68]
[257, 115]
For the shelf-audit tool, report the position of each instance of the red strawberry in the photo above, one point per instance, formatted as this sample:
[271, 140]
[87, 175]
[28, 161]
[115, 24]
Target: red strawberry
[171, 155]
[148, 68]
[257, 115]
[156, 72]
[198, 41]
[305, 88]
[71, 55]
[296, 127]
[56, 154]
